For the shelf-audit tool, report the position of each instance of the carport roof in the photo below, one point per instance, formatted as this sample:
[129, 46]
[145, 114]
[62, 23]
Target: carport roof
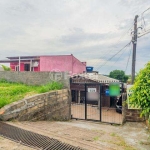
[80, 78]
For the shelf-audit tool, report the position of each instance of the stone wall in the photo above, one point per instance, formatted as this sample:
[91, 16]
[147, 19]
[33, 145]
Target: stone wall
[132, 115]
[124, 98]
[36, 78]
[54, 105]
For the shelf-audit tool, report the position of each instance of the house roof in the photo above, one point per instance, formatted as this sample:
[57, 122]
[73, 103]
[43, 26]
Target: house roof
[25, 58]
[31, 57]
[79, 78]
[17, 60]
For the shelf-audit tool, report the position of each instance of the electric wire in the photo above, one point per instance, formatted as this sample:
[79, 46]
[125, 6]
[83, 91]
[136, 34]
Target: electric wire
[122, 36]
[143, 17]
[128, 60]
[113, 55]
[148, 31]
[116, 60]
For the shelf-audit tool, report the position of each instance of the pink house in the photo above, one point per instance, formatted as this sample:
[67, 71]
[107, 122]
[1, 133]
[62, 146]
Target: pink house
[56, 63]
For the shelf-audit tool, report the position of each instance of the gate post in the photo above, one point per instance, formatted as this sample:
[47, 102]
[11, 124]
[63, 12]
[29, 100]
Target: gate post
[85, 102]
[100, 102]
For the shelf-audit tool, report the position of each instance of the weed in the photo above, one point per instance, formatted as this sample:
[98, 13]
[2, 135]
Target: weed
[10, 91]
[113, 134]
[145, 143]
[96, 138]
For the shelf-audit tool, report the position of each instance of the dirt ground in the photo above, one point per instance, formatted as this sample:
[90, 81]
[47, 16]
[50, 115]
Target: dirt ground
[87, 135]
[93, 113]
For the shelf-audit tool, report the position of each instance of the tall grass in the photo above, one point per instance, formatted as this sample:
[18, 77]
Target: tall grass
[10, 92]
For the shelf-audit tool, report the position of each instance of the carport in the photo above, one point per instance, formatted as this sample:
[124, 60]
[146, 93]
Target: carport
[100, 107]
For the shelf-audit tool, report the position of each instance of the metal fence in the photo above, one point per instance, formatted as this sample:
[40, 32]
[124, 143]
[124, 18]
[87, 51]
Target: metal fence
[90, 104]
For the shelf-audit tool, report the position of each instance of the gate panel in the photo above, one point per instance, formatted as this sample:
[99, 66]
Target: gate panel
[78, 104]
[109, 111]
[92, 102]
[89, 102]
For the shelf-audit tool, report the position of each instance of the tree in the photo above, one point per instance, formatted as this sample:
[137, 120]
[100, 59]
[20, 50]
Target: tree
[119, 75]
[6, 68]
[141, 91]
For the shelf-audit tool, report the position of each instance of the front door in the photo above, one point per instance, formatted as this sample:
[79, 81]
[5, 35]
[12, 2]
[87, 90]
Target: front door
[26, 67]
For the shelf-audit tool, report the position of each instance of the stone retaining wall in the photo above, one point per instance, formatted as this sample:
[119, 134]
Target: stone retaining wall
[54, 105]
[132, 115]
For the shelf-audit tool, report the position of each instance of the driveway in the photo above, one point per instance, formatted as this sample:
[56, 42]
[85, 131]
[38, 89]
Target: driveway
[88, 135]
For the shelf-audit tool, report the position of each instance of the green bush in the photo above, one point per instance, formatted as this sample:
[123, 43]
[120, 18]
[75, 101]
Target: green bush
[141, 91]
[6, 68]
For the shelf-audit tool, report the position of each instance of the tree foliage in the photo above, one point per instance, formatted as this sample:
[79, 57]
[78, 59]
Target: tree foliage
[119, 75]
[6, 68]
[141, 91]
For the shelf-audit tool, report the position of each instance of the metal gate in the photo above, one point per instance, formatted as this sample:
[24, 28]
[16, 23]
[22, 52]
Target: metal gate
[91, 103]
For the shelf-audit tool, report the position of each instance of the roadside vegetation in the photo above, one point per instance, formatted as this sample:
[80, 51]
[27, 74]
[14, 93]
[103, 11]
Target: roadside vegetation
[141, 91]
[119, 75]
[10, 91]
[6, 68]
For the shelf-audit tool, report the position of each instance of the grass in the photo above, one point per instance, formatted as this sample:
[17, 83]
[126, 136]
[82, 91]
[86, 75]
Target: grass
[96, 138]
[113, 134]
[10, 91]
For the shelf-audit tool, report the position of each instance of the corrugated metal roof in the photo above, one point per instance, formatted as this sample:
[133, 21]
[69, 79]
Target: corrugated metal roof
[95, 77]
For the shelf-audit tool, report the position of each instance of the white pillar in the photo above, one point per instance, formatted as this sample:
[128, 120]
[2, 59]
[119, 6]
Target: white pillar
[30, 64]
[78, 96]
[19, 63]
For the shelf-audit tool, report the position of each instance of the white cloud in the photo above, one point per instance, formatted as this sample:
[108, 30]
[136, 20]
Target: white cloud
[91, 30]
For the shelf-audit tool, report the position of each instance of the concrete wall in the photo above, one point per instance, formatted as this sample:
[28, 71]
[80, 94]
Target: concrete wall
[56, 63]
[1, 69]
[78, 66]
[62, 63]
[54, 105]
[36, 78]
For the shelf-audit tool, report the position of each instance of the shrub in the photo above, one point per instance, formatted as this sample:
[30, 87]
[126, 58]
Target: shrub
[141, 91]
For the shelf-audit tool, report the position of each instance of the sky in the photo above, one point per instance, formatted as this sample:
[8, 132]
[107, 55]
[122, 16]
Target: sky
[91, 30]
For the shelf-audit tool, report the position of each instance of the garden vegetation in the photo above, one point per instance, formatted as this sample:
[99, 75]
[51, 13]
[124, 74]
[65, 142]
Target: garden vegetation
[10, 91]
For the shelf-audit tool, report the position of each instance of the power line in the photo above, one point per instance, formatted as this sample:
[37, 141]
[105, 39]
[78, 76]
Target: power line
[114, 55]
[142, 18]
[148, 31]
[116, 60]
[123, 35]
[128, 60]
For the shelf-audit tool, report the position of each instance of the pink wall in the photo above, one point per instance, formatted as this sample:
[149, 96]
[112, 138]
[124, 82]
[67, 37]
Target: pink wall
[56, 63]
[13, 64]
[21, 66]
[61, 63]
[78, 66]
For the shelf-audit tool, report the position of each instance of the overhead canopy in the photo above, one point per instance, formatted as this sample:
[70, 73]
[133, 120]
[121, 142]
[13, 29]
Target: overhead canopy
[17, 59]
[86, 78]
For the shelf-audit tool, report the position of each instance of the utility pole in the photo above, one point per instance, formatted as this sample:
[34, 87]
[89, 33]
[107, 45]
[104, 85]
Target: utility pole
[134, 41]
